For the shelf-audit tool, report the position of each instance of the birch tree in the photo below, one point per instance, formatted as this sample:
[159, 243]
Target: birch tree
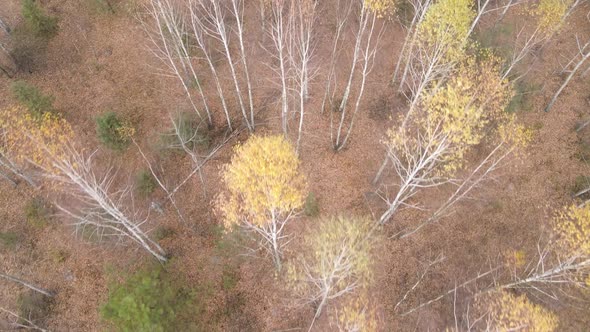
[343, 10]
[427, 148]
[305, 17]
[169, 36]
[214, 15]
[356, 315]
[364, 51]
[198, 34]
[264, 191]
[577, 62]
[504, 311]
[337, 261]
[564, 261]
[438, 44]
[280, 31]
[48, 144]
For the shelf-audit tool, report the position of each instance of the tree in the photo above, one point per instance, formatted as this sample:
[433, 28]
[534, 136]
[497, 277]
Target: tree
[504, 311]
[264, 189]
[216, 27]
[382, 8]
[8, 163]
[356, 315]
[564, 261]
[305, 17]
[364, 51]
[292, 34]
[48, 144]
[38, 22]
[577, 61]
[27, 284]
[149, 300]
[280, 33]
[427, 148]
[438, 44]
[552, 13]
[168, 34]
[198, 29]
[113, 132]
[337, 261]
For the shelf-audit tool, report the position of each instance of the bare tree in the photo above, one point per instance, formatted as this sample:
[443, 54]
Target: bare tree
[305, 13]
[365, 49]
[343, 8]
[579, 59]
[419, 8]
[7, 64]
[213, 16]
[237, 9]
[105, 213]
[168, 34]
[23, 322]
[27, 284]
[280, 30]
[197, 32]
[93, 204]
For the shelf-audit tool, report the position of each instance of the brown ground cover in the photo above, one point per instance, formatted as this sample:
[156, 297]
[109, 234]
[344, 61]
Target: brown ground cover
[99, 62]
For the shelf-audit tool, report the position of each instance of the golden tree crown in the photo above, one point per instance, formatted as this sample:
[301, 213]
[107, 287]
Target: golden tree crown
[509, 313]
[381, 8]
[41, 140]
[263, 179]
[572, 227]
[550, 14]
[447, 22]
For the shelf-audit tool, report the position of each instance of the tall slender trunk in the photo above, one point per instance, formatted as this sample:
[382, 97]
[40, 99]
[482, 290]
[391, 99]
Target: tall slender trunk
[28, 285]
[240, 24]
[568, 79]
[342, 108]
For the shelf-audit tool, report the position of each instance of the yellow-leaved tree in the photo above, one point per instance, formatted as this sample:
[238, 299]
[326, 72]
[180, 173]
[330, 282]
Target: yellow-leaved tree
[337, 261]
[563, 264]
[551, 14]
[356, 315]
[381, 8]
[264, 189]
[438, 42]
[447, 24]
[508, 312]
[572, 228]
[48, 144]
[427, 148]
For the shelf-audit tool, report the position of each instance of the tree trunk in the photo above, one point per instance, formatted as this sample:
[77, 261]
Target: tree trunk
[567, 80]
[28, 285]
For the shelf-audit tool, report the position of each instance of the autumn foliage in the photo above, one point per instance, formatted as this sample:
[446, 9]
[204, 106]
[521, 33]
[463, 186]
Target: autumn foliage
[264, 189]
[572, 228]
[550, 14]
[263, 182]
[447, 23]
[338, 260]
[41, 140]
[381, 8]
[508, 312]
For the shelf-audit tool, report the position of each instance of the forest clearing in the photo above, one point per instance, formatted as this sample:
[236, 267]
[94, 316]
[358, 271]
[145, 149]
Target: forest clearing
[294, 165]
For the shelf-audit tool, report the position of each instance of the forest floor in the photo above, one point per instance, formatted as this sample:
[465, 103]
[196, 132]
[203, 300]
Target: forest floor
[100, 62]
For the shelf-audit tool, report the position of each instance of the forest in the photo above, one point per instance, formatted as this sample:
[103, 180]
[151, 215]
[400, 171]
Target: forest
[294, 165]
